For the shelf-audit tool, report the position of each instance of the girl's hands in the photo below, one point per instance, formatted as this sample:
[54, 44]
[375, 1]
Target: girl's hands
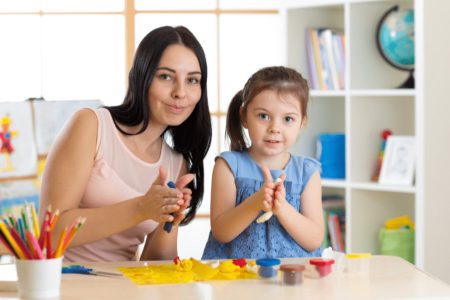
[277, 195]
[160, 201]
[279, 199]
[264, 197]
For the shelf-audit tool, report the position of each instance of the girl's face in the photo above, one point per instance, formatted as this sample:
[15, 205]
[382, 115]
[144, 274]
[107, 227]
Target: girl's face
[175, 89]
[273, 121]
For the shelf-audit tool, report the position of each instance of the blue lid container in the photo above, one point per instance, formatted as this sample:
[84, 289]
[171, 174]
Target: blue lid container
[268, 262]
[331, 154]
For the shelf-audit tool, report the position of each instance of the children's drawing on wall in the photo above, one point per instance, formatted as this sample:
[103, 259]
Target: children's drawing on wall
[50, 117]
[398, 164]
[18, 156]
[6, 148]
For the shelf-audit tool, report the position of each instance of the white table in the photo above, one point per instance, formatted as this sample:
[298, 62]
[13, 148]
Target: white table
[389, 278]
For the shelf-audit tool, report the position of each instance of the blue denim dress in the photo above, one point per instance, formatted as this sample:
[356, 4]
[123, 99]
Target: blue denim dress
[268, 239]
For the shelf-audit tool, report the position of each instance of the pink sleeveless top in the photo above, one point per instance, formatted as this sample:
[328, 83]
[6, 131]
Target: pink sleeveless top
[118, 175]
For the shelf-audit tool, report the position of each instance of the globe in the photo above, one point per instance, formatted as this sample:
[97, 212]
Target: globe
[395, 41]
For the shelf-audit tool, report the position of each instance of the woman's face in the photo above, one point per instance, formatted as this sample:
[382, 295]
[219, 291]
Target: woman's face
[175, 88]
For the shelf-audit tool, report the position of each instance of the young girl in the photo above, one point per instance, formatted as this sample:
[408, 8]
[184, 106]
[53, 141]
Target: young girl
[272, 107]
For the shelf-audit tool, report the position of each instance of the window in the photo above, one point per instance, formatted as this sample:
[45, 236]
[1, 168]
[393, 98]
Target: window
[82, 49]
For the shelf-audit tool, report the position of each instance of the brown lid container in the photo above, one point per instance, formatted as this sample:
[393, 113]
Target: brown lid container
[292, 268]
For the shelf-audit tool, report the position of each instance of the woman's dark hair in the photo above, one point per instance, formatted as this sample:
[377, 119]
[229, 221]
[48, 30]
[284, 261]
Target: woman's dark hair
[192, 138]
[280, 79]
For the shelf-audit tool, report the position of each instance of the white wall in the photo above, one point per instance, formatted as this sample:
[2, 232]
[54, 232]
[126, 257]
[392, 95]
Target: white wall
[437, 139]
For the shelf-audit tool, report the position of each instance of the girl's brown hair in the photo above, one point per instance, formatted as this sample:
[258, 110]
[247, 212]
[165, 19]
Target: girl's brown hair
[283, 80]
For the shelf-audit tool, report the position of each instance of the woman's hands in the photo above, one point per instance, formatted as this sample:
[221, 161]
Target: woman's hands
[187, 196]
[160, 201]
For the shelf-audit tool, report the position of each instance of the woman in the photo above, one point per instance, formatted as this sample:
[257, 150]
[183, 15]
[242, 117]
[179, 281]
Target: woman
[112, 165]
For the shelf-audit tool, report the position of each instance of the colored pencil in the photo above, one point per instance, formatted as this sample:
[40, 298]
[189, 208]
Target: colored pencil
[35, 245]
[59, 247]
[73, 230]
[21, 244]
[7, 245]
[54, 219]
[35, 221]
[24, 240]
[21, 229]
[48, 241]
[24, 220]
[12, 220]
[42, 236]
[11, 241]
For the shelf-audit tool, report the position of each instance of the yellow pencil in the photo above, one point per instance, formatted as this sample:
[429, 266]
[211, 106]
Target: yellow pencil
[59, 248]
[35, 221]
[11, 241]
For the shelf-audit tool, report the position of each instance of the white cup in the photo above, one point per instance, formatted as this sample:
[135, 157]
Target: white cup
[39, 279]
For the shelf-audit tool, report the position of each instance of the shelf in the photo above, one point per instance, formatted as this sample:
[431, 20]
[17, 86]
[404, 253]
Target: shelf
[334, 183]
[372, 186]
[319, 93]
[368, 186]
[369, 104]
[292, 4]
[383, 92]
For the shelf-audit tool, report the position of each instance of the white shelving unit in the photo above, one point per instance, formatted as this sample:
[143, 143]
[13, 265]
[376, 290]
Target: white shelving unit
[369, 104]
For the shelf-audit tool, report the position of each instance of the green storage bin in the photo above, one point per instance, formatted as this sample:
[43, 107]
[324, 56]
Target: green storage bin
[397, 242]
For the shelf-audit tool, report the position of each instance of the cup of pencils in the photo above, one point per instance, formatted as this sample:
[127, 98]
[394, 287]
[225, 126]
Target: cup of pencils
[38, 262]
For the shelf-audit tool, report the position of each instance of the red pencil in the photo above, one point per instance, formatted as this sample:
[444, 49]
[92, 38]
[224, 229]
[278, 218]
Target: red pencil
[20, 243]
[48, 241]
[42, 233]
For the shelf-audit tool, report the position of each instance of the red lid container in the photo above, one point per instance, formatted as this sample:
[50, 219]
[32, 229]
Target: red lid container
[323, 266]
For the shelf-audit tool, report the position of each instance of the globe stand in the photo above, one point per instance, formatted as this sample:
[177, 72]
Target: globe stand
[409, 82]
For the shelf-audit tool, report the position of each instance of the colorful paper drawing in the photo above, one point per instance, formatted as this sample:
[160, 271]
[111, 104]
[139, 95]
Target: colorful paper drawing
[51, 116]
[18, 155]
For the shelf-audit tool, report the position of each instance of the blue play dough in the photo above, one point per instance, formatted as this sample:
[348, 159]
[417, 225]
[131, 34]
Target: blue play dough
[267, 272]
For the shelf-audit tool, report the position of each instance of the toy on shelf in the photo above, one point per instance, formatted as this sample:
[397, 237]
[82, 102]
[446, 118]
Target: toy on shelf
[399, 223]
[384, 135]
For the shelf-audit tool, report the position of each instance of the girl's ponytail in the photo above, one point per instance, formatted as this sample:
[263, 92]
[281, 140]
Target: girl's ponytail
[235, 131]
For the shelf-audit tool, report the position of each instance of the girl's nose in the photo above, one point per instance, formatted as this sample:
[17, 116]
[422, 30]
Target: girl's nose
[274, 129]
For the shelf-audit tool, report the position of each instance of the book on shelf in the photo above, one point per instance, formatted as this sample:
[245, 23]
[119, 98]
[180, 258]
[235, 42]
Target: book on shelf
[334, 221]
[317, 60]
[326, 39]
[312, 67]
[325, 53]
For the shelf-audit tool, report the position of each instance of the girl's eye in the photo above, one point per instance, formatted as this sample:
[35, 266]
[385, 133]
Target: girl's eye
[263, 116]
[193, 80]
[289, 119]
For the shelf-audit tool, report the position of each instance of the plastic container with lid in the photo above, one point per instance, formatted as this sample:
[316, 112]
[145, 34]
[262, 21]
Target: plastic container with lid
[292, 274]
[268, 268]
[358, 263]
[323, 266]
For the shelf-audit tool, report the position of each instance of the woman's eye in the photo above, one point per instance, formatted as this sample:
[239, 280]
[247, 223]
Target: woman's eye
[193, 80]
[263, 116]
[164, 76]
